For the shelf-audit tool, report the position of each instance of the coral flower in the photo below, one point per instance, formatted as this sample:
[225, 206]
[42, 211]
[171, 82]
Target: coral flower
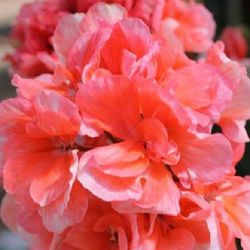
[220, 96]
[182, 24]
[116, 49]
[157, 233]
[221, 205]
[110, 143]
[103, 228]
[33, 29]
[146, 140]
[42, 163]
[187, 23]
[190, 22]
[235, 114]
[13, 215]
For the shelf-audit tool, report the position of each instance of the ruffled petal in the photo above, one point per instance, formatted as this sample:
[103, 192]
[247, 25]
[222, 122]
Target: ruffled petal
[205, 158]
[103, 100]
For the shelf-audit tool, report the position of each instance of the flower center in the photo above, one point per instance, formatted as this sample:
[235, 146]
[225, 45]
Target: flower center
[113, 235]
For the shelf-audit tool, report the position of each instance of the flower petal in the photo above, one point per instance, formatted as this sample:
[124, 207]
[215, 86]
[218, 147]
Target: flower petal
[166, 194]
[55, 116]
[104, 100]
[67, 30]
[206, 158]
[125, 159]
[107, 187]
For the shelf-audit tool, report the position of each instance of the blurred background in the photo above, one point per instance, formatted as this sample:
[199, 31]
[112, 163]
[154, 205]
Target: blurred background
[226, 12]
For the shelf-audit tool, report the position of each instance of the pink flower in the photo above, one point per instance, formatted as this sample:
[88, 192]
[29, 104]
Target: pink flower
[108, 28]
[235, 114]
[162, 234]
[219, 95]
[112, 147]
[15, 215]
[41, 166]
[182, 25]
[128, 160]
[228, 202]
[101, 103]
[33, 30]
[210, 94]
[190, 22]
[235, 43]
[103, 228]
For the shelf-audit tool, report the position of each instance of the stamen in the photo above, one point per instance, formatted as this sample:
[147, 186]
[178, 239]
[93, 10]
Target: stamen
[113, 235]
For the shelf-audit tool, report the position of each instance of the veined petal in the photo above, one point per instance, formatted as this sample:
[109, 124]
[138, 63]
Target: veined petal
[206, 158]
[234, 130]
[103, 100]
[67, 30]
[56, 218]
[239, 107]
[52, 179]
[165, 199]
[55, 115]
[14, 110]
[101, 13]
[107, 187]
[130, 34]
[29, 87]
[125, 159]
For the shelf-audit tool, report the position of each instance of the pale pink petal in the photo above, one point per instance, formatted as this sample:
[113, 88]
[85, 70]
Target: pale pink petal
[14, 110]
[151, 11]
[234, 130]
[125, 159]
[52, 180]
[210, 92]
[102, 13]
[215, 233]
[56, 218]
[169, 36]
[65, 34]
[192, 23]
[239, 107]
[201, 158]
[84, 56]
[130, 34]
[165, 199]
[230, 69]
[29, 87]
[107, 187]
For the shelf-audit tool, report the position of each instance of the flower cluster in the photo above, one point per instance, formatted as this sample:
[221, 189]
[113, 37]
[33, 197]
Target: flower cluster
[113, 147]
[186, 26]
